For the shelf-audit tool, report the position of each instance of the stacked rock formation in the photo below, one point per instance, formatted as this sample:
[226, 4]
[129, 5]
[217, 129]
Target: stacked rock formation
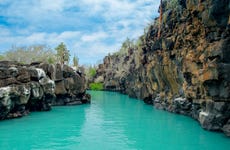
[186, 70]
[38, 86]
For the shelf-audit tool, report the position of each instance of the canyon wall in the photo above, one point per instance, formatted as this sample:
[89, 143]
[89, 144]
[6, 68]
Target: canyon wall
[37, 87]
[186, 69]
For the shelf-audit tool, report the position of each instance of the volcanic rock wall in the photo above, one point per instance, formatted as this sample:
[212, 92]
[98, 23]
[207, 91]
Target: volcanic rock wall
[38, 86]
[186, 70]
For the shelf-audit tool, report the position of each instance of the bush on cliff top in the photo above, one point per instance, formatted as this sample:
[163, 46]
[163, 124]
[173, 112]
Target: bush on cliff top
[96, 86]
[126, 45]
[29, 54]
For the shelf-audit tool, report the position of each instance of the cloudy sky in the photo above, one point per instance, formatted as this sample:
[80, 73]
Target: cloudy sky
[90, 28]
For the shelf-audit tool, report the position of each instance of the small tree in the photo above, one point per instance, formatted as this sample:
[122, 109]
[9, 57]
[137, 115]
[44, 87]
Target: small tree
[92, 71]
[126, 45]
[62, 53]
[75, 61]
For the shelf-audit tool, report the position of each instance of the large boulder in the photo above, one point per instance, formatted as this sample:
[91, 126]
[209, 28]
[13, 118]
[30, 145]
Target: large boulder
[20, 94]
[5, 102]
[70, 86]
[214, 115]
[37, 91]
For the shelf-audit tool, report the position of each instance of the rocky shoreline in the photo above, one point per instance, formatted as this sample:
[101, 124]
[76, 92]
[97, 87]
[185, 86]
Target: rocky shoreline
[38, 87]
[185, 70]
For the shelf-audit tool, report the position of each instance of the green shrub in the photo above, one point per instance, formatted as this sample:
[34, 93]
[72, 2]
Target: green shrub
[96, 86]
[29, 54]
[92, 72]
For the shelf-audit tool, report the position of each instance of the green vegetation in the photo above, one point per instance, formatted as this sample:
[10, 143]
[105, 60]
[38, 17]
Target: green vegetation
[92, 72]
[75, 61]
[39, 53]
[126, 45]
[63, 54]
[30, 54]
[96, 86]
[1, 57]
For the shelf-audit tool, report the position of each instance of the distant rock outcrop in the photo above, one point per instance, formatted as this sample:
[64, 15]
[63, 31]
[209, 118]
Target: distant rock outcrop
[38, 86]
[186, 70]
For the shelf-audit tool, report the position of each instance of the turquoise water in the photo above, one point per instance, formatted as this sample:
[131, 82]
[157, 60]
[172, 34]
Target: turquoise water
[111, 122]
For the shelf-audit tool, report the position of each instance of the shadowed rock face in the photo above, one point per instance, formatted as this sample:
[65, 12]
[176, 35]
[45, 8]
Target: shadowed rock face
[186, 70]
[37, 87]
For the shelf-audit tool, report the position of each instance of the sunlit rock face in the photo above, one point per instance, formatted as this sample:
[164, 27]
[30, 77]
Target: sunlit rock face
[36, 87]
[186, 69]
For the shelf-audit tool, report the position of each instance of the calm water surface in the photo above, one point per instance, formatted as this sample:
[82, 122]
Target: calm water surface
[112, 122]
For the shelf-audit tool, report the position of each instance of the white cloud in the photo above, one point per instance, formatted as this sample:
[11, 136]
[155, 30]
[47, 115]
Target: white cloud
[97, 36]
[90, 28]
[52, 5]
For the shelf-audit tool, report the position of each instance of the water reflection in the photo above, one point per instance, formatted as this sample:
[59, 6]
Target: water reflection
[102, 131]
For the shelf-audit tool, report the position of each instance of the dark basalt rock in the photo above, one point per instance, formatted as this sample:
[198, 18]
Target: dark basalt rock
[86, 99]
[226, 128]
[181, 106]
[34, 87]
[186, 70]
[148, 100]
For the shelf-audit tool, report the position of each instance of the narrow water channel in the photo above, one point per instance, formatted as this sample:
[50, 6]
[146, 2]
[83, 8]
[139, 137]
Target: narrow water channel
[111, 122]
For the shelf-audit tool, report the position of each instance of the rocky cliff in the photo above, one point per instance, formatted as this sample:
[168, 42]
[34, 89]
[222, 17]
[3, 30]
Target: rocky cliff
[38, 86]
[186, 69]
